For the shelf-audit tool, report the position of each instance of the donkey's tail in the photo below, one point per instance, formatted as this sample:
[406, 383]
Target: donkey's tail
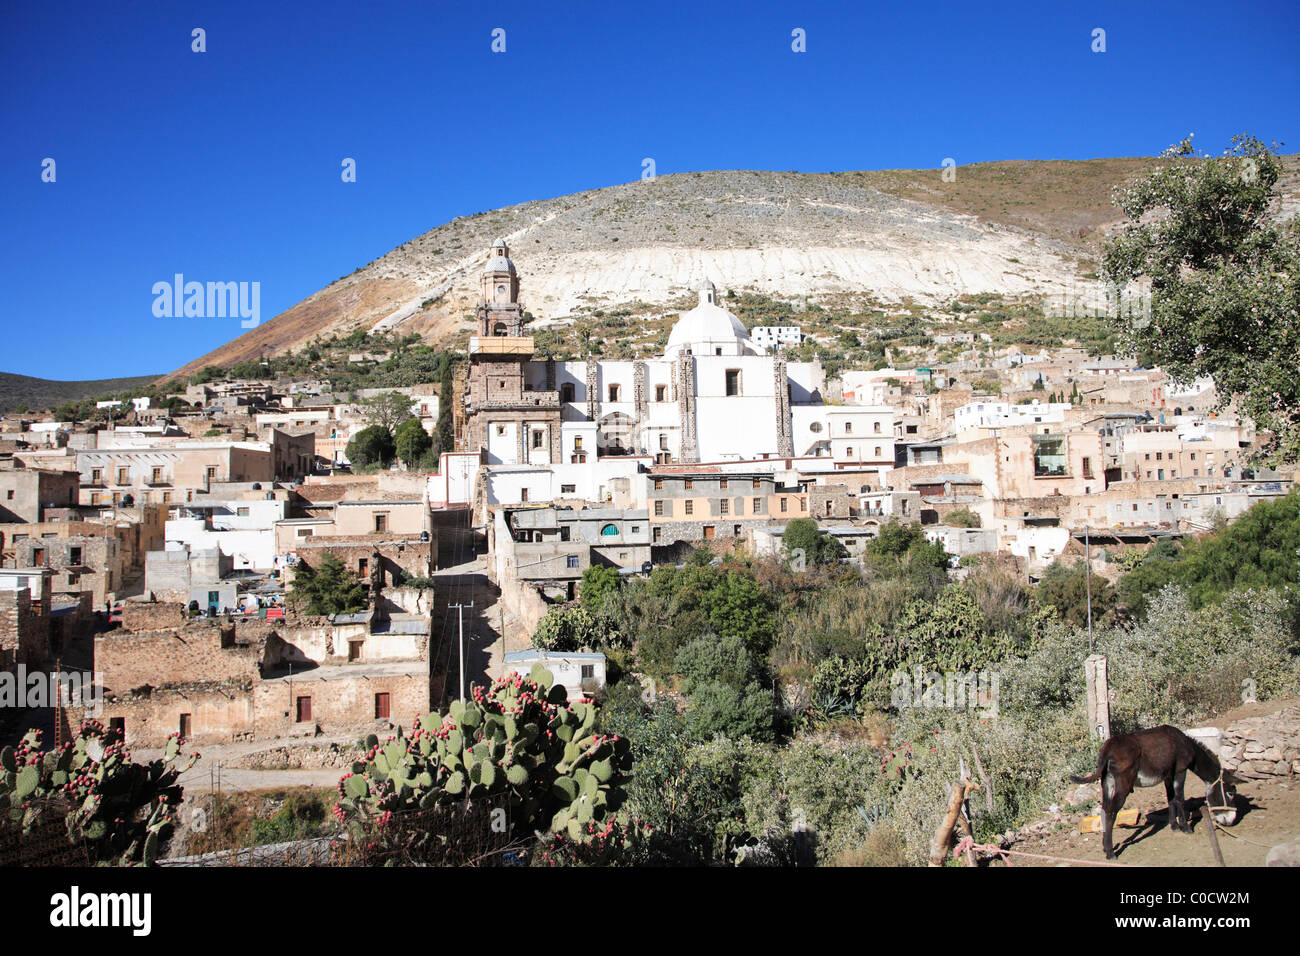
[1091, 778]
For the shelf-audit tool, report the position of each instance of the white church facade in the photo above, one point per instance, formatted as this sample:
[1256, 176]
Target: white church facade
[715, 396]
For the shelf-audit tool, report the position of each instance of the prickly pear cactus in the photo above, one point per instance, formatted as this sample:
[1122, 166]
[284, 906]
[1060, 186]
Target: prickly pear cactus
[118, 809]
[519, 739]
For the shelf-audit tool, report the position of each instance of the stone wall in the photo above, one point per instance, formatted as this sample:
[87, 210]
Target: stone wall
[201, 651]
[1261, 747]
[341, 702]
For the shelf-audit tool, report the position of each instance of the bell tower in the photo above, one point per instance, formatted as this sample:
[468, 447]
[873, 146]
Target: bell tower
[500, 312]
[512, 411]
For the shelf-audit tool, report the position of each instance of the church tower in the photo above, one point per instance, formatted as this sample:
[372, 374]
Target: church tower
[500, 312]
[509, 418]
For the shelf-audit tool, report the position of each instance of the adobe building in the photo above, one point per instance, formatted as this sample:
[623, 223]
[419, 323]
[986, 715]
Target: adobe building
[229, 678]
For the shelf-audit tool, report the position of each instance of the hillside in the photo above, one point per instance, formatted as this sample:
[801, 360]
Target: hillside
[40, 393]
[858, 240]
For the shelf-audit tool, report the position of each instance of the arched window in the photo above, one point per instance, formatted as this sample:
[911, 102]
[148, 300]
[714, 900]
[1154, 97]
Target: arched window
[499, 329]
[609, 531]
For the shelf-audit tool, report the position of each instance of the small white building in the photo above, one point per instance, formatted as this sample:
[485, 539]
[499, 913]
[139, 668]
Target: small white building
[581, 672]
[776, 336]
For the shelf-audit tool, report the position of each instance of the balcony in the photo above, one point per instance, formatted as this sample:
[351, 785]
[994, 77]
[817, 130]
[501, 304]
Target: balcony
[501, 345]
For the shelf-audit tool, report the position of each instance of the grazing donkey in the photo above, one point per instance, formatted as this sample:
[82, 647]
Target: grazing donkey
[1146, 758]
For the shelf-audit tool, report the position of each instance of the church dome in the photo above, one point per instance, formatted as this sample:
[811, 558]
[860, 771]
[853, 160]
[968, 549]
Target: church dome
[499, 261]
[709, 327]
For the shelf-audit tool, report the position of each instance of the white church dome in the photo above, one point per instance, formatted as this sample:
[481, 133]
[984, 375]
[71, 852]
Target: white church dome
[707, 328]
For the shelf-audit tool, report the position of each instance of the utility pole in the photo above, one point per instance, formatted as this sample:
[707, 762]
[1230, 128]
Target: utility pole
[1087, 577]
[460, 617]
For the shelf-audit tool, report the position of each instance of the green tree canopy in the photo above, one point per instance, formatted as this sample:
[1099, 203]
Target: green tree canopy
[804, 542]
[411, 442]
[327, 588]
[1224, 276]
[372, 446]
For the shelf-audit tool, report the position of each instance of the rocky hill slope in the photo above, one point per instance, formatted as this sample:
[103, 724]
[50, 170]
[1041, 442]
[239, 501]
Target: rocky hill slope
[1014, 228]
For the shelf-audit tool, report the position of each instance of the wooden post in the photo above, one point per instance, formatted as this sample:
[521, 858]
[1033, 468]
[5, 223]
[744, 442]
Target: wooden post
[1094, 672]
[1208, 815]
[943, 837]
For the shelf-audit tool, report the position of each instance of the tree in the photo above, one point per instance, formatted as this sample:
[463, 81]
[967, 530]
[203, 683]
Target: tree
[329, 588]
[371, 446]
[446, 440]
[597, 581]
[803, 540]
[1066, 589]
[386, 409]
[1224, 278]
[568, 629]
[411, 441]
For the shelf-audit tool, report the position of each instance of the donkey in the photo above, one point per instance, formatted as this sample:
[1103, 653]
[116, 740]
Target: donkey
[1146, 758]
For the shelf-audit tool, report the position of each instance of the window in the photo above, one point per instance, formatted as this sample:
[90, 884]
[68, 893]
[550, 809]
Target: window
[659, 483]
[155, 475]
[537, 438]
[663, 442]
[733, 381]
[354, 650]
[609, 531]
[661, 393]
[381, 706]
[124, 476]
[757, 483]
[523, 494]
[722, 482]
[735, 530]
[613, 393]
[9, 495]
[566, 392]
[186, 725]
[785, 505]
[848, 428]
[381, 523]
[363, 566]
[38, 557]
[304, 709]
[571, 561]
[708, 532]
[1049, 457]
[688, 483]
[568, 489]
[1087, 468]
[877, 451]
[577, 442]
[97, 475]
[758, 505]
[656, 533]
[724, 507]
[241, 512]
[876, 428]
[501, 430]
[659, 509]
[690, 507]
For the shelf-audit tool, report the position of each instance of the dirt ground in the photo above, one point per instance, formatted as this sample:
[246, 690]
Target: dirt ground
[1268, 813]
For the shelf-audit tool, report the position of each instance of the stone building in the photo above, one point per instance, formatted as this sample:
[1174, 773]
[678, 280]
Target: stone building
[26, 493]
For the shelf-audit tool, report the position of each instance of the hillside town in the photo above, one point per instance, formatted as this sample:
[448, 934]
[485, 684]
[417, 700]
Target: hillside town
[159, 549]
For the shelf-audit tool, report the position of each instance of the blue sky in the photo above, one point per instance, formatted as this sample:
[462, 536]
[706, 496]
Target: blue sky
[225, 165]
